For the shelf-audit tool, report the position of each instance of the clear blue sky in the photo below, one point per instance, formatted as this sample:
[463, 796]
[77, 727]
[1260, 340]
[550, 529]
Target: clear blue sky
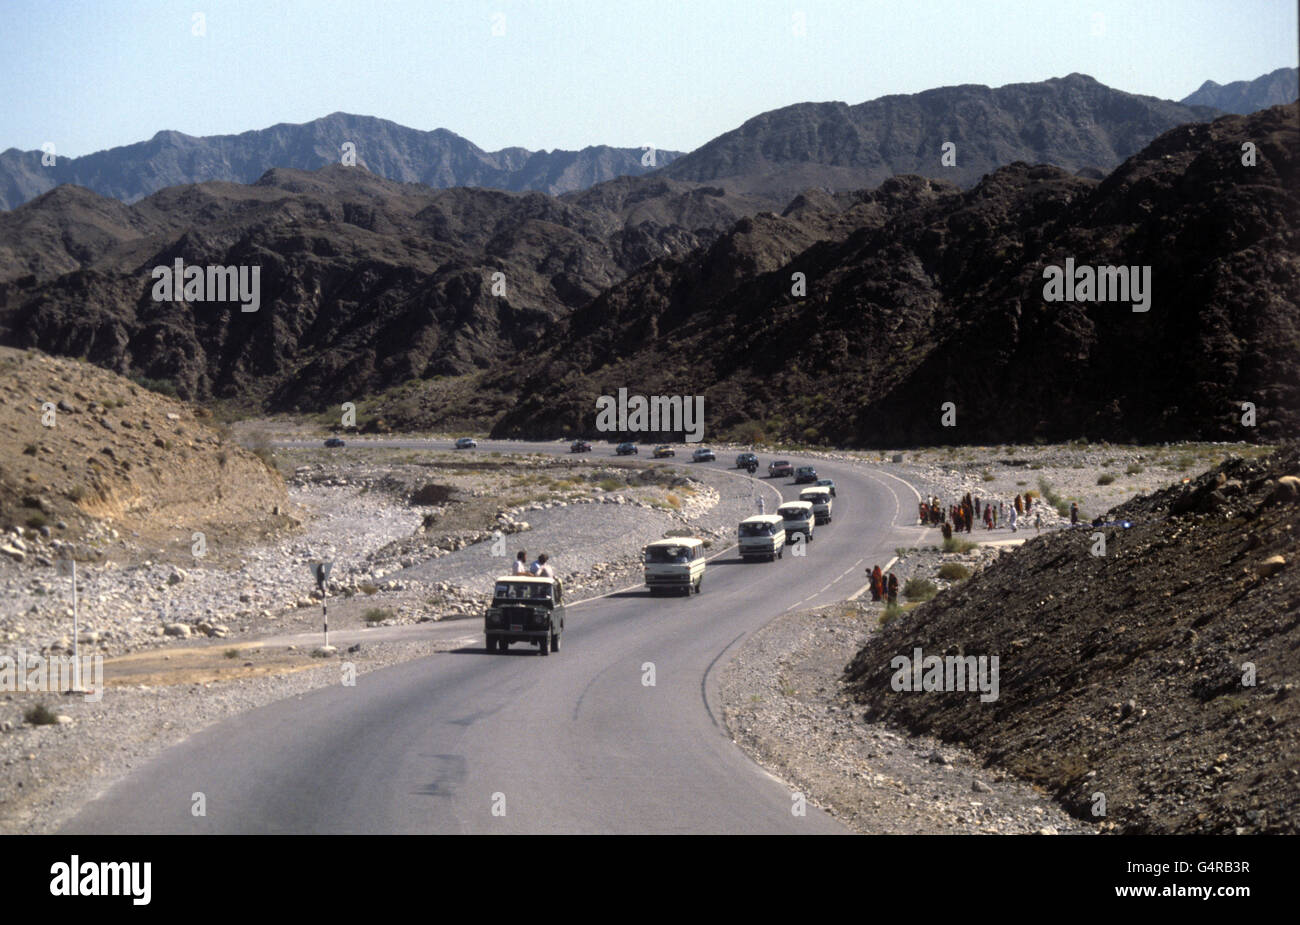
[568, 73]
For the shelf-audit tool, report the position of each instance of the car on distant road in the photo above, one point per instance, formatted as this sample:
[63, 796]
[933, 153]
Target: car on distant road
[663, 451]
[580, 446]
[627, 448]
[704, 454]
[827, 483]
[466, 443]
[525, 608]
[334, 441]
[805, 474]
[744, 460]
[780, 467]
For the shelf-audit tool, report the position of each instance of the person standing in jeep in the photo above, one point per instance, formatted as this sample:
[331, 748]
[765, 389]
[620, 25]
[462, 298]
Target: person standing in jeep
[541, 569]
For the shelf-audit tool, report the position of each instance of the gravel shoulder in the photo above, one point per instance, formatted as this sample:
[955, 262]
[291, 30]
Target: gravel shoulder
[785, 705]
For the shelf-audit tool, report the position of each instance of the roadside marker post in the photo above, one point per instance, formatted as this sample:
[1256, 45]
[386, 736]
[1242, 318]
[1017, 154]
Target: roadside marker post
[321, 571]
[68, 567]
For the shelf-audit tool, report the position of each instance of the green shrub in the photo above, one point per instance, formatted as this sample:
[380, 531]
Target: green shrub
[956, 544]
[611, 485]
[161, 386]
[367, 588]
[231, 653]
[987, 476]
[1105, 479]
[953, 571]
[890, 614]
[1134, 469]
[36, 521]
[377, 615]
[919, 589]
[40, 715]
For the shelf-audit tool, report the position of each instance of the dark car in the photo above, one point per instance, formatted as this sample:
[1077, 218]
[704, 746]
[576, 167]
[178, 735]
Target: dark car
[805, 474]
[626, 449]
[827, 483]
[334, 441]
[704, 454]
[525, 608]
[580, 446]
[466, 443]
[779, 468]
[745, 460]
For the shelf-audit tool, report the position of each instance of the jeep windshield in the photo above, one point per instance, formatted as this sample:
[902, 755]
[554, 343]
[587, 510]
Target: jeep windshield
[661, 554]
[755, 530]
[522, 591]
[793, 514]
[818, 498]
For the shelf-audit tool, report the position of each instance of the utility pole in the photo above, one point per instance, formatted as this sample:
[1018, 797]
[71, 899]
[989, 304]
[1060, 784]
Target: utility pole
[321, 571]
[68, 566]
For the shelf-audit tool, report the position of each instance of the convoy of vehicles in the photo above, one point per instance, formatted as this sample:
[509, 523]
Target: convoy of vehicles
[761, 537]
[528, 609]
[820, 498]
[798, 517]
[675, 564]
[466, 443]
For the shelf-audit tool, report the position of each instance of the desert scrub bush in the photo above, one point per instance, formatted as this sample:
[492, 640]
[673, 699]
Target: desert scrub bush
[953, 571]
[674, 502]
[377, 615]
[986, 475]
[30, 449]
[231, 653]
[1105, 478]
[1134, 469]
[919, 589]
[890, 614]
[36, 521]
[161, 386]
[610, 485]
[40, 715]
[368, 588]
[956, 544]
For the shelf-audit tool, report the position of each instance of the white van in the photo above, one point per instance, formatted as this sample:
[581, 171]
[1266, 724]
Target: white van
[820, 498]
[676, 563]
[798, 517]
[762, 537]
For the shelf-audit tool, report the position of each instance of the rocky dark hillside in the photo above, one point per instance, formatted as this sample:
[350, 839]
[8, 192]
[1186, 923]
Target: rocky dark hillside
[1160, 675]
[1072, 122]
[923, 294]
[1247, 96]
[365, 283]
[439, 158]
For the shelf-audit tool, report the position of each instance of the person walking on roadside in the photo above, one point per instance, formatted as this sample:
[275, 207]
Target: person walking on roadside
[1013, 515]
[1074, 513]
[875, 583]
[521, 563]
[760, 504]
[1038, 521]
[541, 569]
[893, 588]
[988, 517]
[1019, 505]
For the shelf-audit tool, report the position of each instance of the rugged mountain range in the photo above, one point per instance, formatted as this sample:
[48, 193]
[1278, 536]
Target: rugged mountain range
[1247, 96]
[363, 282]
[937, 295]
[1073, 122]
[438, 158]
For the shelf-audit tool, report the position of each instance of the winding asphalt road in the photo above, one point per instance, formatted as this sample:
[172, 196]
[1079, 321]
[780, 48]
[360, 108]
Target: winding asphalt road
[470, 742]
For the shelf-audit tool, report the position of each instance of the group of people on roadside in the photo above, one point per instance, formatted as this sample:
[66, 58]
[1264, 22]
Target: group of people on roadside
[539, 568]
[961, 516]
[884, 585]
